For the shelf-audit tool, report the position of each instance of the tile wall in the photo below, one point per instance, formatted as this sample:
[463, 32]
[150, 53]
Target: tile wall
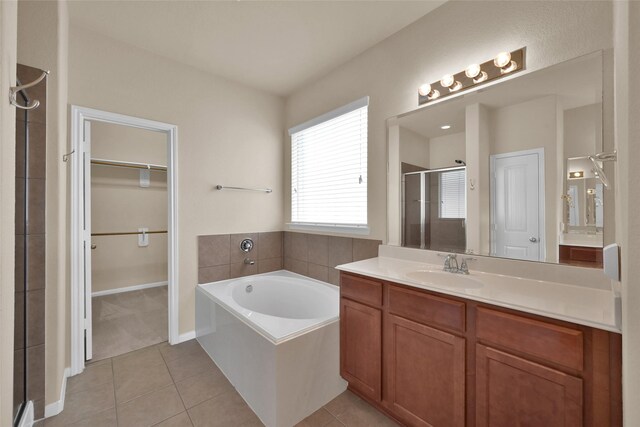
[313, 255]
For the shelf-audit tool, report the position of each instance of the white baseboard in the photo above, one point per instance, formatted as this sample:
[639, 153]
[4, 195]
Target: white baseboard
[128, 289]
[27, 416]
[186, 336]
[56, 407]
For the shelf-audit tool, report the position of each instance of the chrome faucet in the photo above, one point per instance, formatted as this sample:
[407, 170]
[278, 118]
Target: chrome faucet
[451, 264]
[249, 261]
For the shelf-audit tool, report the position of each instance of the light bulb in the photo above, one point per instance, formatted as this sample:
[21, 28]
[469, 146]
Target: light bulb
[425, 89]
[502, 59]
[447, 80]
[445, 127]
[472, 71]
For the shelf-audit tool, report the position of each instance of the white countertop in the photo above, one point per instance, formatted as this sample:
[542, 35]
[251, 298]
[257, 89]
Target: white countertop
[587, 306]
[581, 239]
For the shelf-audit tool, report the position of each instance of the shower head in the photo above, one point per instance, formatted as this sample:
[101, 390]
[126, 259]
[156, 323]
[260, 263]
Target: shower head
[461, 162]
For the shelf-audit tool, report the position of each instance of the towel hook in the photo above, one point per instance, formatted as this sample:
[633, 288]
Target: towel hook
[65, 157]
[13, 93]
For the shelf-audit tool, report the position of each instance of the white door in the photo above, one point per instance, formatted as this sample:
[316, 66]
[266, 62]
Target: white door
[86, 227]
[517, 203]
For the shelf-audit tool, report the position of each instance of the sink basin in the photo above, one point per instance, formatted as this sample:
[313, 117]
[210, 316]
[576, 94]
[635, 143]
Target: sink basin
[441, 278]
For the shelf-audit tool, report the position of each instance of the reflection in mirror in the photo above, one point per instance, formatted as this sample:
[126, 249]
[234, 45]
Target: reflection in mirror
[505, 171]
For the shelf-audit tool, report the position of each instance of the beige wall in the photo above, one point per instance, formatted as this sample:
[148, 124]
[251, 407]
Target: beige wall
[8, 33]
[414, 148]
[227, 134]
[444, 150]
[118, 203]
[42, 43]
[391, 71]
[583, 131]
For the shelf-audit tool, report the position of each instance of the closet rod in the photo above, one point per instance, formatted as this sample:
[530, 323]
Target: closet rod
[133, 165]
[125, 233]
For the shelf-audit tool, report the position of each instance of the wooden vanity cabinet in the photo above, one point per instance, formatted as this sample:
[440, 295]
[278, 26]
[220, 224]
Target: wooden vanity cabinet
[428, 359]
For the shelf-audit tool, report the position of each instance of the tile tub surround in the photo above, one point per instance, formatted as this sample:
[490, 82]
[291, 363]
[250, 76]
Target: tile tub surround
[316, 255]
[178, 385]
[220, 257]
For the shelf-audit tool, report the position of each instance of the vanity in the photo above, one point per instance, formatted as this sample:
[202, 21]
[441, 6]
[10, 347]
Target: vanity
[512, 179]
[431, 348]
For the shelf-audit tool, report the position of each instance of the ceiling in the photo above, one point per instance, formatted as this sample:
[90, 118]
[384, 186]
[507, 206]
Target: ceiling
[576, 83]
[277, 46]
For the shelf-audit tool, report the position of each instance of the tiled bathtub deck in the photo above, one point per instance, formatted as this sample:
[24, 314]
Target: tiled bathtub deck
[179, 386]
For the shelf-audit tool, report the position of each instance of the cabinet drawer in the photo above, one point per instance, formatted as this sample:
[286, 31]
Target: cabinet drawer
[554, 343]
[428, 309]
[360, 289]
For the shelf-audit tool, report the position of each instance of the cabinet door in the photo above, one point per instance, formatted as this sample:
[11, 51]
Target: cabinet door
[512, 391]
[425, 374]
[361, 347]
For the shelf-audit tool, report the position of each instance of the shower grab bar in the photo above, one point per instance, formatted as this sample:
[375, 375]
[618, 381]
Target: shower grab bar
[133, 165]
[225, 187]
[127, 233]
[13, 93]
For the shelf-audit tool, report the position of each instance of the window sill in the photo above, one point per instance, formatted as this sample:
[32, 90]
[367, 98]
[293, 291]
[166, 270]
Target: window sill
[338, 229]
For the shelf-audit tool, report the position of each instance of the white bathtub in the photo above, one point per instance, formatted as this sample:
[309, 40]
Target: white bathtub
[276, 338]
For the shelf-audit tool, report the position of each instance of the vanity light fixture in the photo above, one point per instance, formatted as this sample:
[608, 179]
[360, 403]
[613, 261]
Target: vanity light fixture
[502, 65]
[576, 174]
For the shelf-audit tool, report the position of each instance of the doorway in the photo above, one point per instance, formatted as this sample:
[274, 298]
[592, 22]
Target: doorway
[517, 205]
[124, 236]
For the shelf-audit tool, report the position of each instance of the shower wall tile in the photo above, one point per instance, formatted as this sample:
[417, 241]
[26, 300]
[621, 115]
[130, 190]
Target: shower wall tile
[18, 336]
[213, 250]
[36, 273]
[35, 372]
[36, 165]
[19, 263]
[20, 149]
[36, 202]
[35, 317]
[20, 196]
[220, 256]
[236, 254]
[316, 255]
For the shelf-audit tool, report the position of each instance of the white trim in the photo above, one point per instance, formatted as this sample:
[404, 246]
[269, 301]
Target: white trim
[56, 407]
[78, 117]
[359, 103]
[542, 231]
[332, 228]
[129, 289]
[27, 416]
[186, 336]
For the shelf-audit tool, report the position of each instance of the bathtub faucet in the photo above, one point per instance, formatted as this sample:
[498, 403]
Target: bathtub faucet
[249, 261]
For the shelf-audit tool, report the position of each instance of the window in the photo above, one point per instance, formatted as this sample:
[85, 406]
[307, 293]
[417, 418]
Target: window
[329, 169]
[453, 198]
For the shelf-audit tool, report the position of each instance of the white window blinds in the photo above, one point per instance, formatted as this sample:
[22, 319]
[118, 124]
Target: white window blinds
[329, 168]
[453, 200]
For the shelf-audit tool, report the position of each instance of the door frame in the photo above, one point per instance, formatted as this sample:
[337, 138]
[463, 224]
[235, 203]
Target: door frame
[541, 198]
[79, 116]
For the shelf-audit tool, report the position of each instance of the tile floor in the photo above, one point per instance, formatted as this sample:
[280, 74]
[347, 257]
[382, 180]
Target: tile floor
[128, 321]
[177, 386]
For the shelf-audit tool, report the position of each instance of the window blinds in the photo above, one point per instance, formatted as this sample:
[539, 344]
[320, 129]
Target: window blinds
[329, 168]
[453, 200]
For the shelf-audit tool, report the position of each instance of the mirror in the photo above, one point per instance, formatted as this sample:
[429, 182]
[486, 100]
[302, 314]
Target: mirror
[505, 170]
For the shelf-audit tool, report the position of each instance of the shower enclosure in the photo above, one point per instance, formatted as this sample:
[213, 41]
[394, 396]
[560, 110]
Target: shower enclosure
[29, 317]
[434, 205]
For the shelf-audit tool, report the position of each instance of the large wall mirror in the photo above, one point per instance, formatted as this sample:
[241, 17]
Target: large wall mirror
[506, 171]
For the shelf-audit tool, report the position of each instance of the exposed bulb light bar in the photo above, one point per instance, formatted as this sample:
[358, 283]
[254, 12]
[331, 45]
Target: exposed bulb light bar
[502, 64]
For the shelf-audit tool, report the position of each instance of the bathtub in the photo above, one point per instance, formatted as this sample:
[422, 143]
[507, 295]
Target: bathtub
[275, 336]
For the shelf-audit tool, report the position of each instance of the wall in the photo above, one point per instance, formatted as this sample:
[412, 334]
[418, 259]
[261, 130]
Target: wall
[627, 110]
[444, 150]
[414, 148]
[391, 71]
[42, 43]
[583, 131]
[118, 204]
[8, 53]
[525, 126]
[227, 134]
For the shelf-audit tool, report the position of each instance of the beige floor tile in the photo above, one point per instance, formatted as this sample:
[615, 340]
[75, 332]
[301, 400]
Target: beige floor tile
[335, 423]
[151, 408]
[84, 404]
[352, 411]
[92, 376]
[180, 420]
[172, 352]
[138, 373]
[198, 388]
[320, 418]
[190, 365]
[225, 410]
[106, 418]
